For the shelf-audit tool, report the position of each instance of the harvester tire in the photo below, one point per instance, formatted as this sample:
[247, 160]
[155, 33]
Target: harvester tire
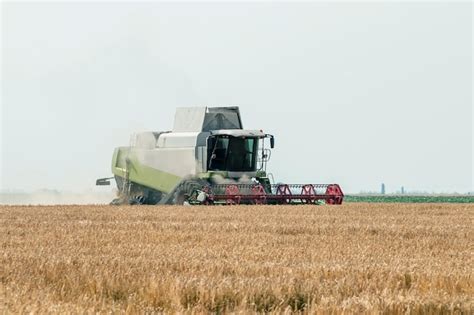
[136, 200]
[186, 190]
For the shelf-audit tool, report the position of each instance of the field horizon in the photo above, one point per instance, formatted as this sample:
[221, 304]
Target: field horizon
[94, 197]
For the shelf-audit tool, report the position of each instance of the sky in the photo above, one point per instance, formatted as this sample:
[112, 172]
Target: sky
[355, 93]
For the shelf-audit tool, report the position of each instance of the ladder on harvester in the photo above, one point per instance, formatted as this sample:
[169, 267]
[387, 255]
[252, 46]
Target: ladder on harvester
[127, 184]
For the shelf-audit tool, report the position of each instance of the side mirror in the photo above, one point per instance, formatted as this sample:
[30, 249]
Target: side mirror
[272, 142]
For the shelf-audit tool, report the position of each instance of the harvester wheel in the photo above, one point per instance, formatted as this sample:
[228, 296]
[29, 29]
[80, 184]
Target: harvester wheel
[179, 197]
[136, 200]
[187, 191]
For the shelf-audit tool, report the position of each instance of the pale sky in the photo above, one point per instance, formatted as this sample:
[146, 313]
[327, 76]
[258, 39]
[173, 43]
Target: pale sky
[356, 94]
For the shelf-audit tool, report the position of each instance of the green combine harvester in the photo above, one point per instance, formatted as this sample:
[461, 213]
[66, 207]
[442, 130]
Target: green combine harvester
[208, 158]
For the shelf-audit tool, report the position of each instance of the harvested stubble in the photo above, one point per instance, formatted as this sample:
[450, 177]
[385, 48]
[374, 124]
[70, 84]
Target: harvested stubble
[390, 258]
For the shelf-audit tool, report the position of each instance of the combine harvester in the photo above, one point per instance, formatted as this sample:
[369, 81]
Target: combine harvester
[208, 158]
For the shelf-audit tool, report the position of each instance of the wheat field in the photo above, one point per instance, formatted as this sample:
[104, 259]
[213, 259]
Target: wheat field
[354, 258]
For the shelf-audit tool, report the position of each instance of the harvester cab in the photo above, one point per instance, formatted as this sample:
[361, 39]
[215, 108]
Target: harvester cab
[236, 151]
[208, 158]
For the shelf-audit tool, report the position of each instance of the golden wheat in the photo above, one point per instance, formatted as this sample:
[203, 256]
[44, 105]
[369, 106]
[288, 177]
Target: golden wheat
[372, 258]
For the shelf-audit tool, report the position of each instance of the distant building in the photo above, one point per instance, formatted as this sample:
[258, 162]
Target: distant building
[382, 189]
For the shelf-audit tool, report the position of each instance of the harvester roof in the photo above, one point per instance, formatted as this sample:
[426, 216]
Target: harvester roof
[202, 119]
[238, 133]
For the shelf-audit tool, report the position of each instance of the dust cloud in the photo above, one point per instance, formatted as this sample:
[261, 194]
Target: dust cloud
[54, 197]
